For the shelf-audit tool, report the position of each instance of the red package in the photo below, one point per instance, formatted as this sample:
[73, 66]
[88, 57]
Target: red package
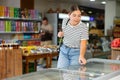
[115, 43]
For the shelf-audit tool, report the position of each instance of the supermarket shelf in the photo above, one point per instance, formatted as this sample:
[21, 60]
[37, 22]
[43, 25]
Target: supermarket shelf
[23, 19]
[13, 32]
[29, 39]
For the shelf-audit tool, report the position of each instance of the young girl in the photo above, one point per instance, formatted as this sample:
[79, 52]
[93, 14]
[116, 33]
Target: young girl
[75, 36]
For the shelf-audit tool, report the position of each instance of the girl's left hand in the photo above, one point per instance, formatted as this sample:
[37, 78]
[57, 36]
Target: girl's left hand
[60, 34]
[82, 60]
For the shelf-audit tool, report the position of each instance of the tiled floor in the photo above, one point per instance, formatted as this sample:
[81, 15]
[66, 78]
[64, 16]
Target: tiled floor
[54, 65]
[54, 61]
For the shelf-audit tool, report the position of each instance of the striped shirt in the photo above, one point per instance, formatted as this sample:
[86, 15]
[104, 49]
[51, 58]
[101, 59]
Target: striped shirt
[74, 34]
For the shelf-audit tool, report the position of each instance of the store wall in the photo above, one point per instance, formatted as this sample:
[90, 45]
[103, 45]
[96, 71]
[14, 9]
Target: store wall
[44, 5]
[10, 3]
[112, 9]
[110, 13]
[118, 8]
[41, 5]
[66, 6]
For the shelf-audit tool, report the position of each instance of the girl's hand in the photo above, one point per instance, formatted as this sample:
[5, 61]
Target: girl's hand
[60, 34]
[82, 60]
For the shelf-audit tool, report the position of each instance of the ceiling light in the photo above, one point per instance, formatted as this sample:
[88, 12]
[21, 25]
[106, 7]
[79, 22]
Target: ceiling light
[90, 12]
[92, 0]
[103, 2]
[82, 10]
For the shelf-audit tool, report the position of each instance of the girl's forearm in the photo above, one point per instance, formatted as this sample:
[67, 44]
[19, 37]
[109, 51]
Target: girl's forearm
[83, 47]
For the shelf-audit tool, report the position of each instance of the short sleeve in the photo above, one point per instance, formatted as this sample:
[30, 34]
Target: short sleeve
[84, 32]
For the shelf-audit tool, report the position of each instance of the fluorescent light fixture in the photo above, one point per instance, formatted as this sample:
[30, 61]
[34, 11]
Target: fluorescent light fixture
[83, 18]
[82, 10]
[90, 12]
[62, 15]
[103, 2]
[92, 0]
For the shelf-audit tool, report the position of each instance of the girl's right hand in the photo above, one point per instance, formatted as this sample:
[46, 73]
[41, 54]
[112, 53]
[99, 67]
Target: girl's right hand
[60, 34]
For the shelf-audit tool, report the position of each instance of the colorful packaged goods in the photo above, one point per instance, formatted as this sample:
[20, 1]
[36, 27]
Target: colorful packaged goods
[2, 26]
[13, 26]
[7, 26]
[6, 12]
[115, 43]
[2, 11]
[11, 12]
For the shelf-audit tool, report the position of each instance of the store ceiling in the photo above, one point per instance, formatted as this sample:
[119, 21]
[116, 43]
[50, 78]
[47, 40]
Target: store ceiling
[87, 3]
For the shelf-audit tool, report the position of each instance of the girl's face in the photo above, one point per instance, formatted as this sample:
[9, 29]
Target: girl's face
[75, 17]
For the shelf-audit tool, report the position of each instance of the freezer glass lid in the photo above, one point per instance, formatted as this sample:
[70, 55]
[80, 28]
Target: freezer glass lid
[97, 66]
[56, 74]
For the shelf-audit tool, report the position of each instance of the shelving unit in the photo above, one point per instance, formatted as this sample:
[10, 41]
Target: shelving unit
[20, 29]
[19, 25]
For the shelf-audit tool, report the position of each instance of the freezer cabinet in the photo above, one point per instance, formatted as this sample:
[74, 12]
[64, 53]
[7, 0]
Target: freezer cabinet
[94, 69]
[54, 74]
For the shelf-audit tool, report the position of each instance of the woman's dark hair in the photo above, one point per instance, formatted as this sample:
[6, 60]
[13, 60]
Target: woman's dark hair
[45, 18]
[74, 8]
